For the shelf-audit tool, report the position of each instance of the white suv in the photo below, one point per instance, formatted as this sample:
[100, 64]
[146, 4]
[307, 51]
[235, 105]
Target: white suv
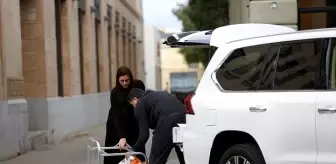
[268, 95]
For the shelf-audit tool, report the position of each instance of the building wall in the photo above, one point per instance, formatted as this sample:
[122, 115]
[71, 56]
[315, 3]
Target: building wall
[33, 52]
[261, 11]
[13, 113]
[283, 12]
[239, 11]
[152, 58]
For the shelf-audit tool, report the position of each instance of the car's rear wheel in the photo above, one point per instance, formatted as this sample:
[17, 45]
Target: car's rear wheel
[242, 154]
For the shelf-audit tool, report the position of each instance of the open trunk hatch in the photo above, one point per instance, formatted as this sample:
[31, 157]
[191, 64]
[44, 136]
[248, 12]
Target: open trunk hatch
[191, 38]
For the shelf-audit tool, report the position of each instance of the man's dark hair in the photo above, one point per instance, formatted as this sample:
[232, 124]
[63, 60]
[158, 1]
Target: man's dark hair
[135, 92]
[139, 84]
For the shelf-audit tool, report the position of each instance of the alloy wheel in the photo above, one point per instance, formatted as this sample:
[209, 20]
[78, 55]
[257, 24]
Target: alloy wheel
[237, 160]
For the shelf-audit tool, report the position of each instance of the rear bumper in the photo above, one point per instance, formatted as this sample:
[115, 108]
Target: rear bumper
[196, 144]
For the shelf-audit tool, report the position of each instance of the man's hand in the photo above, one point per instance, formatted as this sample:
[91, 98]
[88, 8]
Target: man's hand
[122, 143]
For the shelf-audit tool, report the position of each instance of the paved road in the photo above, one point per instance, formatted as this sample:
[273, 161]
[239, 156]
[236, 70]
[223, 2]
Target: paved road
[72, 151]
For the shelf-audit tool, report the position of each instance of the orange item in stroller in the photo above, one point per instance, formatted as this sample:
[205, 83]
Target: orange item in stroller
[135, 160]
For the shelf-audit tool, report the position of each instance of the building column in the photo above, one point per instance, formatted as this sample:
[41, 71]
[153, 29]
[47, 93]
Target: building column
[115, 51]
[103, 50]
[118, 49]
[112, 55]
[125, 45]
[12, 74]
[89, 53]
[3, 88]
[134, 54]
[39, 48]
[120, 46]
[98, 53]
[111, 47]
[123, 41]
[74, 45]
[130, 54]
[65, 44]
[129, 47]
[69, 48]
[127, 56]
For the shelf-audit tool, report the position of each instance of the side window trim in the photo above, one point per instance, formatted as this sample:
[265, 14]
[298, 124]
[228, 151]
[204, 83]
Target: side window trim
[324, 60]
[213, 74]
[328, 62]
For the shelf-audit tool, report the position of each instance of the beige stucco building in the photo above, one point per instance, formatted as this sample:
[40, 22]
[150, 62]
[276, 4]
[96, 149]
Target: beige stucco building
[58, 60]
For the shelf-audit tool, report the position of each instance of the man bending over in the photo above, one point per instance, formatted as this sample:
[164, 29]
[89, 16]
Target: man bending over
[160, 111]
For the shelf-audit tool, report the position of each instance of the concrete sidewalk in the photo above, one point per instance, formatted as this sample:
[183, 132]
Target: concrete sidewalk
[71, 151]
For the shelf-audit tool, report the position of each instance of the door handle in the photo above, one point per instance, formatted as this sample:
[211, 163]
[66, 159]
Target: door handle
[327, 110]
[257, 109]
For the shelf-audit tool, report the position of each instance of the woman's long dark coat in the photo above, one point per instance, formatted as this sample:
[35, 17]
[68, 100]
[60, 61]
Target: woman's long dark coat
[121, 123]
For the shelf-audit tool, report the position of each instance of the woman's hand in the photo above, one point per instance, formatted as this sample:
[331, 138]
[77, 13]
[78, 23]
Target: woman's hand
[122, 143]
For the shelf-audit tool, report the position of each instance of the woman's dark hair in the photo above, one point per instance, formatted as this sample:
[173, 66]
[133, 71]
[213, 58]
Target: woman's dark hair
[122, 71]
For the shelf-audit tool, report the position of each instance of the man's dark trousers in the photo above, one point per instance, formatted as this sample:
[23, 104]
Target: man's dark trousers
[162, 142]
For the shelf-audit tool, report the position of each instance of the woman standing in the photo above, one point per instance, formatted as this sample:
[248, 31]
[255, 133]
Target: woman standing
[121, 126]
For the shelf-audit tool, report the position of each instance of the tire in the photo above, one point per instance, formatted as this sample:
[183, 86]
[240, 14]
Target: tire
[249, 152]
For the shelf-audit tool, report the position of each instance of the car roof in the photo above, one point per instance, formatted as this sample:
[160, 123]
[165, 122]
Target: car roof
[224, 34]
[230, 33]
[290, 36]
[249, 32]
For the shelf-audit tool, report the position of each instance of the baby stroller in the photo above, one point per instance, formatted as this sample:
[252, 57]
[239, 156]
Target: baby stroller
[96, 154]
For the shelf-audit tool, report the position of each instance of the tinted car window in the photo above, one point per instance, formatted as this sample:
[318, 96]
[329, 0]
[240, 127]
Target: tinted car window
[241, 70]
[298, 65]
[267, 77]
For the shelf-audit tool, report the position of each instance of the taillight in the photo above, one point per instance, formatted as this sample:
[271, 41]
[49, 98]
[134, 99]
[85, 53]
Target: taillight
[188, 109]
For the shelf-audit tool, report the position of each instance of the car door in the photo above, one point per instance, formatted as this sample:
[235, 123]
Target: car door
[288, 99]
[326, 114]
[280, 119]
[275, 118]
